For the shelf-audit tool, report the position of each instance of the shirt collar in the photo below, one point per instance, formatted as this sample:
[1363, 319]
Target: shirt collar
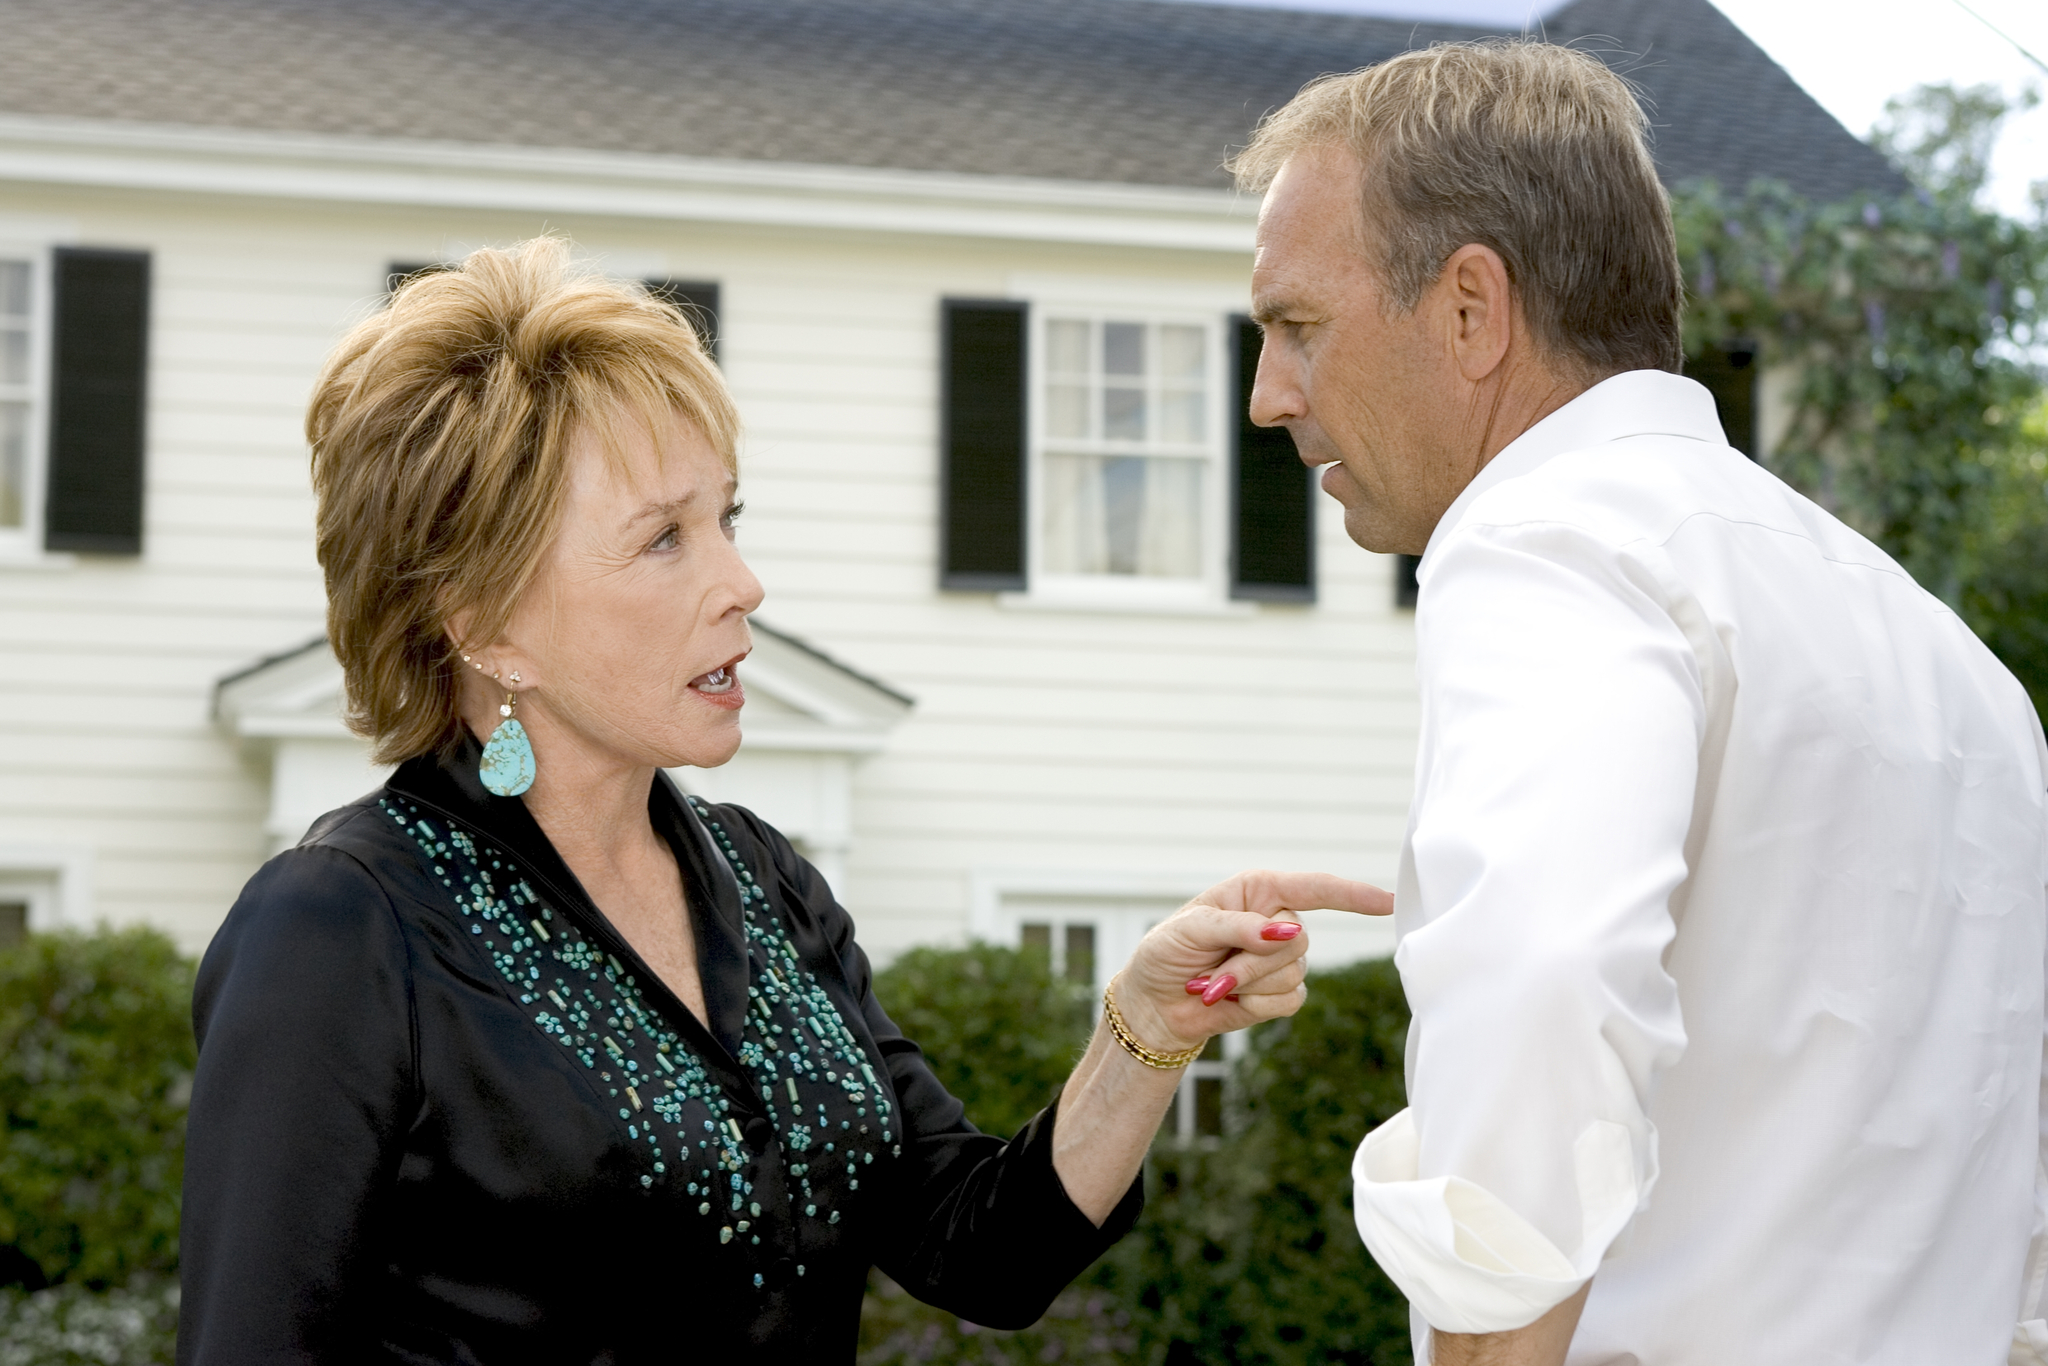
[1634, 403]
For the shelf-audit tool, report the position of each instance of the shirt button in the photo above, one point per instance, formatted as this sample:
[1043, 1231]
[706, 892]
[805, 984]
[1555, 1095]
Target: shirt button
[758, 1132]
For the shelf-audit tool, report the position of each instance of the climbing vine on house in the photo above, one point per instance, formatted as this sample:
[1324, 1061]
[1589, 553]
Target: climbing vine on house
[1908, 333]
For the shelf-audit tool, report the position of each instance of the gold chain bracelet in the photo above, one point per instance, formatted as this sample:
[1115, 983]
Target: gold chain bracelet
[1165, 1062]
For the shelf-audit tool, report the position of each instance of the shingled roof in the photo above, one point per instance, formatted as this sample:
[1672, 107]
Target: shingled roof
[1131, 91]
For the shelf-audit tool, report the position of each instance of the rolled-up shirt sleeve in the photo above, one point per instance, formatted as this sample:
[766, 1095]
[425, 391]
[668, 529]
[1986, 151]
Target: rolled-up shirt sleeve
[1563, 717]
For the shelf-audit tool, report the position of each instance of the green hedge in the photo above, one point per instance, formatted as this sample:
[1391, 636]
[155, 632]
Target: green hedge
[999, 1027]
[96, 1061]
[1247, 1252]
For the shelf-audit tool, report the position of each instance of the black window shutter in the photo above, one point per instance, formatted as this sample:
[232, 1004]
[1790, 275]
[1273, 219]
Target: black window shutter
[1272, 514]
[981, 445]
[698, 299]
[100, 353]
[1406, 590]
[1730, 373]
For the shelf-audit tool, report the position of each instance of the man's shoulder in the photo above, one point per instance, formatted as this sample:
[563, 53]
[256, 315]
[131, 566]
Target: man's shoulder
[1630, 489]
[1657, 494]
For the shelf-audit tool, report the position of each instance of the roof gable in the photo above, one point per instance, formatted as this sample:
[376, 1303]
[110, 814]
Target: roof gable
[1127, 91]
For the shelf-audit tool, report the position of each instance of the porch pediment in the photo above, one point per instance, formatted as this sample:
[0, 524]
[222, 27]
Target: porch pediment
[808, 718]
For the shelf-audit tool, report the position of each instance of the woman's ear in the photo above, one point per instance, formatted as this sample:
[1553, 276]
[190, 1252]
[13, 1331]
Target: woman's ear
[457, 629]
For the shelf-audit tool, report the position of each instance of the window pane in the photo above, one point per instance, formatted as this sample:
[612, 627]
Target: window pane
[1170, 531]
[1123, 515]
[1073, 517]
[1037, 939]
[1123, 414]
[1066, 347]
[13, 356]
[1081, 954]
[1209, 1107]
[1123, 508]
[1066, 411]
[13, 289]
[1123, 349]
[1180, 415]
[13, 461]
[1181, 353]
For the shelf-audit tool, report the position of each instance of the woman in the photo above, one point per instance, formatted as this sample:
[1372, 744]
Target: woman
[529, 1056]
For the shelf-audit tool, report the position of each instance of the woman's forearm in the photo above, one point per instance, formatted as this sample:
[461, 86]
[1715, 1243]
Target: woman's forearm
[1108, 1113]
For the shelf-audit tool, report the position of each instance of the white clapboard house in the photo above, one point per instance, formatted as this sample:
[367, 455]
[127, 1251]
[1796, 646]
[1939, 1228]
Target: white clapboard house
[1052, 639]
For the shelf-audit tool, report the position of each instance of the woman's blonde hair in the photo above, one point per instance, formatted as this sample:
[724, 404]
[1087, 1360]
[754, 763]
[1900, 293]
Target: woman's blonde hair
[1532, 149]
[441, 430]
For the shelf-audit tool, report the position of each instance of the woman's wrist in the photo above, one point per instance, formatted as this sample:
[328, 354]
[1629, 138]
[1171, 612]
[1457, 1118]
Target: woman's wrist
[1141, 1028]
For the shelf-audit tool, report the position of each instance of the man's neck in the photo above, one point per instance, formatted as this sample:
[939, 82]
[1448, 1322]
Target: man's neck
[1525, 390]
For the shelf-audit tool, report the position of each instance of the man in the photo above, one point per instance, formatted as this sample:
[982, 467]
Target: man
[1722, 906]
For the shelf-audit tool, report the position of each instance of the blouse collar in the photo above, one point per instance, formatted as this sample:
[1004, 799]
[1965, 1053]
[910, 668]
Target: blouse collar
[452, 787]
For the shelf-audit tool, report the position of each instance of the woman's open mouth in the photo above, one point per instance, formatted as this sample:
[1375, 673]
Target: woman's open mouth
[721, 687]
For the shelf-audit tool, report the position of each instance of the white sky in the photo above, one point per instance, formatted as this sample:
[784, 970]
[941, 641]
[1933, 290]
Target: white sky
[1851, 55]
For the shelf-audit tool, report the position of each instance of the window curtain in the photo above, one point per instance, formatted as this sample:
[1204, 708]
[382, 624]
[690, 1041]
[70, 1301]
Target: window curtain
[1131, 515]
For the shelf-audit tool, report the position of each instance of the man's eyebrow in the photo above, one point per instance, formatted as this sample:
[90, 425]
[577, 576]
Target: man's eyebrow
[1266, 312]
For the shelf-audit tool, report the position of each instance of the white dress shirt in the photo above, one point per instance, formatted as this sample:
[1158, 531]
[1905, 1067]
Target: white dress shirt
[1723, 914]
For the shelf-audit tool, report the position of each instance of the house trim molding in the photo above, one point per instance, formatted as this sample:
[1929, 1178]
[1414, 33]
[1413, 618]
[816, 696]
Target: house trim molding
[397, 171]
[56, 878]
[989, 888]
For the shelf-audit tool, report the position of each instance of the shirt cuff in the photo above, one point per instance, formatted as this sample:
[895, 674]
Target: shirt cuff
[1465, 1260]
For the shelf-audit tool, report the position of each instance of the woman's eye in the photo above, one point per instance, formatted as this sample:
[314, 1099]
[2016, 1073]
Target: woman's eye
[729, 519]
[666, 540]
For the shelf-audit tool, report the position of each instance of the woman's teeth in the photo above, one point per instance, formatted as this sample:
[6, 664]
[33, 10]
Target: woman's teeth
[719, 680]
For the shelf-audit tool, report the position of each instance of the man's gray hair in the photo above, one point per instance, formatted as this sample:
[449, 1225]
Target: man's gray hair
[1534, 150]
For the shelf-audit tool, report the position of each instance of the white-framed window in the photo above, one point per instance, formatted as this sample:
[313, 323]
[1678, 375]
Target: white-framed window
[44, 888]
[1090, 924]
[1205, 1105]
[1128, 443]
[24, 388]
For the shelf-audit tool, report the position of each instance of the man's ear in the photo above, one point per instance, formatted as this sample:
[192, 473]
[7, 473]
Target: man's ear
[1481, 304]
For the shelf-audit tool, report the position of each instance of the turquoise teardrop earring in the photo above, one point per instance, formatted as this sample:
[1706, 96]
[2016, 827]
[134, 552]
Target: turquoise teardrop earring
[507, 769]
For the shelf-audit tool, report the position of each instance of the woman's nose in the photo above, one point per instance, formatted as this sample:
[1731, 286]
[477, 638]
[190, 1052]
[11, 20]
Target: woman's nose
[742, 586]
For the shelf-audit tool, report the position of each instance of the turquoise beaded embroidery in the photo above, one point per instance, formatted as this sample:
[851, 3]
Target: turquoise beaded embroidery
[807, 1066]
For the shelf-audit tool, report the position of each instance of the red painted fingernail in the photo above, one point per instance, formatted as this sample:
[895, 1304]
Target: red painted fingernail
[1281, 930]
[1197, 985]
[1219, 987]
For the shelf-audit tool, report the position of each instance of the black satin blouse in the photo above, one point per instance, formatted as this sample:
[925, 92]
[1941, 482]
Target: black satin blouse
[443, 1112]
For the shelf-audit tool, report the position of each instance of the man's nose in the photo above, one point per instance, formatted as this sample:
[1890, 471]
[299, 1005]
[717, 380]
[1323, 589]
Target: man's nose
[1276, 392]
